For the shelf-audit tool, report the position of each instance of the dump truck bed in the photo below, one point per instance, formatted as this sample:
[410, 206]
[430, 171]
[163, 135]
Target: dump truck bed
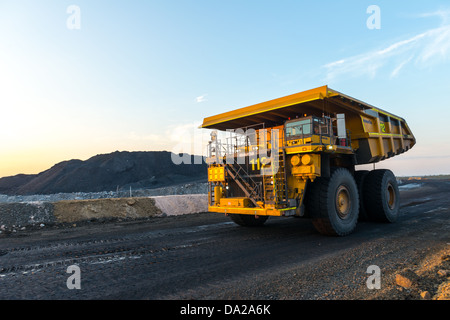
[375, 134]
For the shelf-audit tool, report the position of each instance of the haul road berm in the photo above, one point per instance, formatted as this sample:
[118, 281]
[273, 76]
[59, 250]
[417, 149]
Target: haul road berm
[296, 156]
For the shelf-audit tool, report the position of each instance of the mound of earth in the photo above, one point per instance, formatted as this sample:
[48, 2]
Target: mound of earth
[107, 172]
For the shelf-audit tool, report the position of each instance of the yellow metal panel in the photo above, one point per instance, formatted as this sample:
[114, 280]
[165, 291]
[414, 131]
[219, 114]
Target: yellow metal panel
[250, 211]
[303, 149]
[217, 194]
[301, 97]
[235, 118]
[216, 174]
[235, 202]
[302, 170]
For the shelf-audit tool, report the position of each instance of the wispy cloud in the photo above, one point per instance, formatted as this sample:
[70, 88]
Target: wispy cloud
[396, 71]
[441, 13]
[424, 49]
[201, 98]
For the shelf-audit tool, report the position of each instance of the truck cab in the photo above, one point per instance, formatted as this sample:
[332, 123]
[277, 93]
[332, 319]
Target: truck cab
[308, 130]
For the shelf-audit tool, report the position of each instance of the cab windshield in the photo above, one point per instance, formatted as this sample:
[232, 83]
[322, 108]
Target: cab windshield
[296, 129]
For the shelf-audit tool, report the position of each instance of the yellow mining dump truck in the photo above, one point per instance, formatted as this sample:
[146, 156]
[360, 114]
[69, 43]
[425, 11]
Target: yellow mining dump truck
[296, 156]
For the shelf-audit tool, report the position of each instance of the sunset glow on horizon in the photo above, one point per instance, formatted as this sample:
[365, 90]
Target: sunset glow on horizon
[83, 78]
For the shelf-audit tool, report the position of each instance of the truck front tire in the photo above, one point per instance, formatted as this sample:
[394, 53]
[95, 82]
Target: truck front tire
[333, 203]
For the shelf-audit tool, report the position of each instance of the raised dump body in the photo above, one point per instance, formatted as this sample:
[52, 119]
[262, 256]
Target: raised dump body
[296, 155]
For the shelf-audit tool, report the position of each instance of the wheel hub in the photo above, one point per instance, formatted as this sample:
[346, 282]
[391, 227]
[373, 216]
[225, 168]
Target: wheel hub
[343, 202]
[390, 196]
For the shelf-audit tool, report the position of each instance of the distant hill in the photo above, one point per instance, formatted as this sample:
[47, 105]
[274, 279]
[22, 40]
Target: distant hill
[106, 172]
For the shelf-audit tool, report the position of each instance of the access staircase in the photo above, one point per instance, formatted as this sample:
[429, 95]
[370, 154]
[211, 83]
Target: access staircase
[275, 189]
[251, 189]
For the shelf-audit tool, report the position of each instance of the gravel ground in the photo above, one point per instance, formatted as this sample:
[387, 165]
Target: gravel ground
[206, 256]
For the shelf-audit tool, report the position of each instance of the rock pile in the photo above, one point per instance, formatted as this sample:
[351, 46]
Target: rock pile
[429, 281]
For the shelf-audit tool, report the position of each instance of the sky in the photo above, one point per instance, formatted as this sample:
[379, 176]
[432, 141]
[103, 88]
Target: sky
[81, 78]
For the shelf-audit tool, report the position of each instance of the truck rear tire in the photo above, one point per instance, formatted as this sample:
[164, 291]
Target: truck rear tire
[247, 220]
[381, 196]
[334, 203]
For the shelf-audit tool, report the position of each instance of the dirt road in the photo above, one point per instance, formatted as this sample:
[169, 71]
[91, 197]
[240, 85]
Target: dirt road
[206, 256]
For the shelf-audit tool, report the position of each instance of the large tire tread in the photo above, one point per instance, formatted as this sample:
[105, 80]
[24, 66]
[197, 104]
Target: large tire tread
[375, 196]
[321, 200]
